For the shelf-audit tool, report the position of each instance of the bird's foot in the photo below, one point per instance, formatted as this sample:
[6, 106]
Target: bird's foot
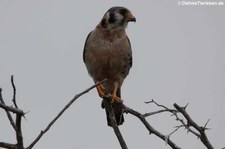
[102, 91]
[116, 99]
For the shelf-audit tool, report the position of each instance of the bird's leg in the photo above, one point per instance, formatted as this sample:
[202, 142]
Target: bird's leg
[115, 98]
[101, 90]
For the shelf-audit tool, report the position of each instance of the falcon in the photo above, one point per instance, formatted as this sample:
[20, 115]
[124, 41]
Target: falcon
[107, 55]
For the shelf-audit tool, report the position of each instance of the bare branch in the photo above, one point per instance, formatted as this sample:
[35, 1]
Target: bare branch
[157, 112]
[150, 128]
[200, 129]
[159, 105]
[7, 109]
[186, 121]
[186, 106]
[19, 135]
[206, 125]
[165, 109]
[186, 126]
[8, 145]
[175, 113]
[108, 107]
[11, 109]
[16, 125]
[14, 91]
[61, 112]
[176, 129]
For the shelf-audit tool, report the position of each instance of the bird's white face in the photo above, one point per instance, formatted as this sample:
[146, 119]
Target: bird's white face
[117, 17]
[114, 18]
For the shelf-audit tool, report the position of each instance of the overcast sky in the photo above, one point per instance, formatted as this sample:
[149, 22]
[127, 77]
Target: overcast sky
[178, 54]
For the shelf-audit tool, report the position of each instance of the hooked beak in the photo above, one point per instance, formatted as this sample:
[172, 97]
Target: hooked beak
[131, 18]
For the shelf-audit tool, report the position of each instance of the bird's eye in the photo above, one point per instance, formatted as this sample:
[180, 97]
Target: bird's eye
[123, 11]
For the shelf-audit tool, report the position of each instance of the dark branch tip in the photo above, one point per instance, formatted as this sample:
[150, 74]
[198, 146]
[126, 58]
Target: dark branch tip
[186, 106]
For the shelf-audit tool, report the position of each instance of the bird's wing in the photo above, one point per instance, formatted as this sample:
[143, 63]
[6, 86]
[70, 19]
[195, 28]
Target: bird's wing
[85, 46]
[130, 59]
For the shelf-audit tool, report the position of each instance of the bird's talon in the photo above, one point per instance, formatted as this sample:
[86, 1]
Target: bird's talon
[116, 99]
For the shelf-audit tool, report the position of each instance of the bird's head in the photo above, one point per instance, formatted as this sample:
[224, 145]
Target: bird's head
[117, 17]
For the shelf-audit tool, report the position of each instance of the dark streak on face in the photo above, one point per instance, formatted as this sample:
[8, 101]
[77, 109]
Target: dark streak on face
[112, 18]
[103, 23]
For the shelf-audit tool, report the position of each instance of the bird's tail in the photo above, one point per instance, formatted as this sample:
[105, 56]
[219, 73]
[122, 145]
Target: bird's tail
[118, 112]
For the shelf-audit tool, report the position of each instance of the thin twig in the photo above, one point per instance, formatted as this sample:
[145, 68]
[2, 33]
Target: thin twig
[170, 134]
[14, 91]
[206, 125]
[159, 105]
[157, 112]
[61, 112]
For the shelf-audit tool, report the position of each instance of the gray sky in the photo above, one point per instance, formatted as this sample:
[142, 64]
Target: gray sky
[178, 52]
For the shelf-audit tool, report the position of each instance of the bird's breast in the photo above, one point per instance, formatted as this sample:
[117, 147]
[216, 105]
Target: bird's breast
[107, 57]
